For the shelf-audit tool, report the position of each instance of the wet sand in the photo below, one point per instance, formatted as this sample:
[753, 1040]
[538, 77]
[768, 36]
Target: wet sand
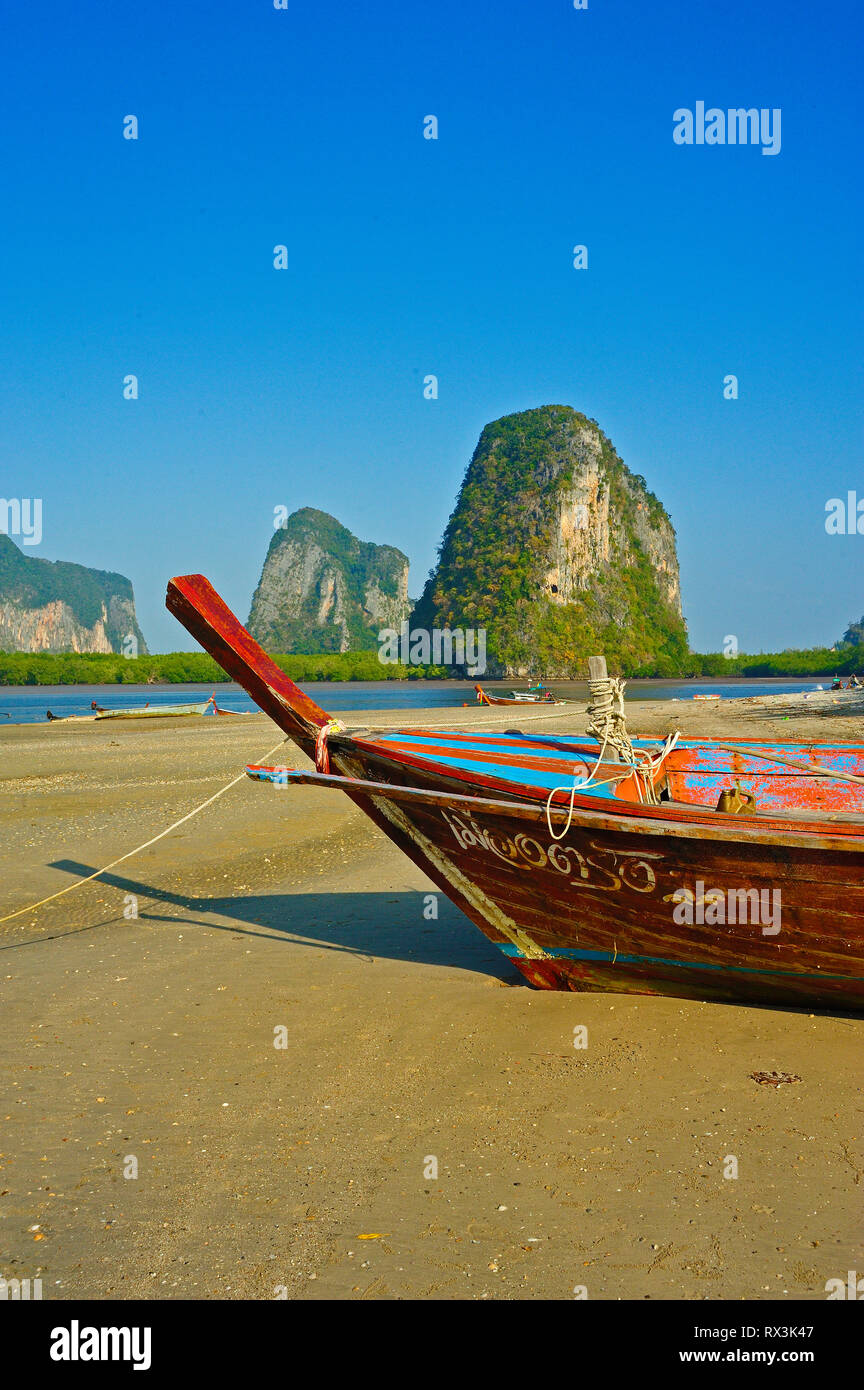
[306, 1168]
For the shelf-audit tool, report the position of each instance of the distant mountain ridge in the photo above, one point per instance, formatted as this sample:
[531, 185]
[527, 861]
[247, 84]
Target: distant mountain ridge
[58, 606]
[559, 552]
[323, 590]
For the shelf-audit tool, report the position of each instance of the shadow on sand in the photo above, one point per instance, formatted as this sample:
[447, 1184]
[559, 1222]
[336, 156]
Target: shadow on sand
[387, 926]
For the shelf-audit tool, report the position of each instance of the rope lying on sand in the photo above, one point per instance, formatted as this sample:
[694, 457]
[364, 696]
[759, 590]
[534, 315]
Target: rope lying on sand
[21, 911]
[161, 836]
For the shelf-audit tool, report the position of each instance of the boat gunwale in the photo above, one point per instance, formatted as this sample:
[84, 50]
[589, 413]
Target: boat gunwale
[650, 820]
[695, 812]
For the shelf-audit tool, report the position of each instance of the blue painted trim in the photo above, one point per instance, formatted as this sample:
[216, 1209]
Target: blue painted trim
[573, 953]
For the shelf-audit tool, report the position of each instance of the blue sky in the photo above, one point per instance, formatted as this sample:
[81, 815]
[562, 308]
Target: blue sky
[407, 256]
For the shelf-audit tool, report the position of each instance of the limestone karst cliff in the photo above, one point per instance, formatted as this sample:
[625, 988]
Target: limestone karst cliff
[558, 551]
[56, 606]
[323, 590]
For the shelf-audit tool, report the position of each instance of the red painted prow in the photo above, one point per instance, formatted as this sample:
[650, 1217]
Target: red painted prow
[196, 604]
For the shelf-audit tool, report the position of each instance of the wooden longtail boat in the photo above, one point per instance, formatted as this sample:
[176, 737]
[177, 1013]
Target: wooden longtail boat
[147, 711]
[607, 891]
[518, 697]
[157, 711]
[234, 713]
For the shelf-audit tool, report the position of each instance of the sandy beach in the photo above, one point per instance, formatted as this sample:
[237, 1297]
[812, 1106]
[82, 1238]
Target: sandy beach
[144, 1044]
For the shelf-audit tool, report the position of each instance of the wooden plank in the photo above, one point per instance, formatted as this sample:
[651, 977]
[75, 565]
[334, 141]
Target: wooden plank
[651, 821]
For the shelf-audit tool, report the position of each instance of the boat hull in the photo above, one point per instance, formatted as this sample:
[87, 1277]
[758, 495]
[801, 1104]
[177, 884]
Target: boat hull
[156, 712]
[517, 697]
[607, 896]
[596, 911]
[606, 907]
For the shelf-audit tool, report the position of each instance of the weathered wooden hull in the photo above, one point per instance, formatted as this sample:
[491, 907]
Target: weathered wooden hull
[597, 910]
[628, 899]
[156, 712]
[509, 700]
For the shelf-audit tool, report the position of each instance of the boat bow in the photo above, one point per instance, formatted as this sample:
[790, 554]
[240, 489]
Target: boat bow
[196, 604]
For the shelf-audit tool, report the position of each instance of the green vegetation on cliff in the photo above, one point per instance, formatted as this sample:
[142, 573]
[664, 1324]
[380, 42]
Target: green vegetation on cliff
[28, 582]
[509, 532]
[323, 590]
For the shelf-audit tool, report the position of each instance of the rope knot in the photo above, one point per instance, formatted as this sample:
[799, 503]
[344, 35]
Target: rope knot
[322, 755]
[607, 722]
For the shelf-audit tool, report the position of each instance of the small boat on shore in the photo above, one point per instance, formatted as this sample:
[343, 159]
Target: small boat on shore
[686, 867]
[537, 695]
[147, 711]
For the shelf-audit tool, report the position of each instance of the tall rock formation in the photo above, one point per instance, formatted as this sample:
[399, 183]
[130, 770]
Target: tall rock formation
[55, 606]
[559, 552]
[323, 590]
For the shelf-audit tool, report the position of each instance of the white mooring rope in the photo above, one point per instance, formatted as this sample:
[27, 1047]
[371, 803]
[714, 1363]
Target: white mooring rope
[161, 836]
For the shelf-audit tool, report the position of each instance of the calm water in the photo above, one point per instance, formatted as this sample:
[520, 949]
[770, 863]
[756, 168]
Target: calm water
[28, 704]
